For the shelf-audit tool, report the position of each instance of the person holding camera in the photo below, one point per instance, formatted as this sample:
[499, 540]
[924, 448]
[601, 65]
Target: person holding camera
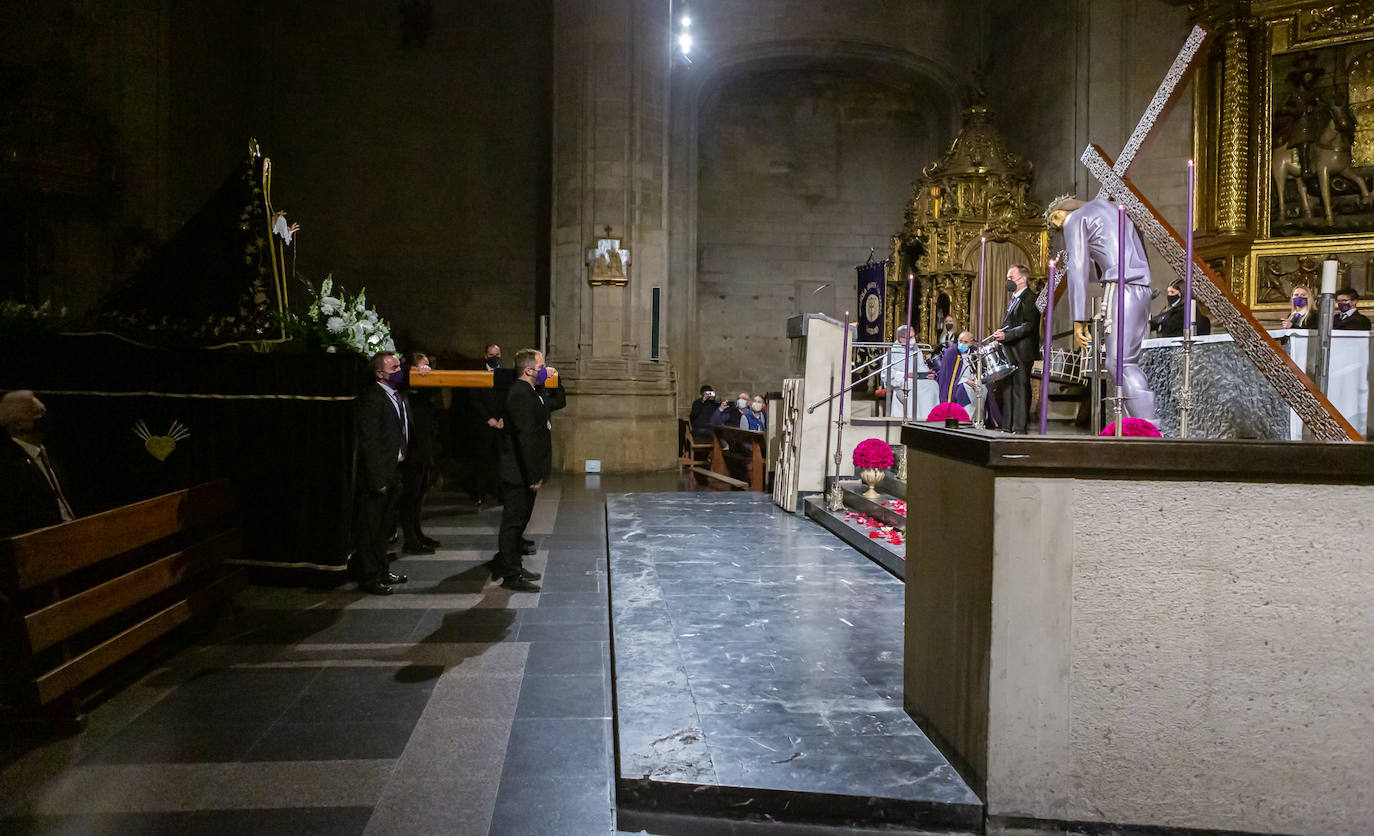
[703, 410]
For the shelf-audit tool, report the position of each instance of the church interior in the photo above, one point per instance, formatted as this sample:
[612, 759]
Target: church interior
[375, 463]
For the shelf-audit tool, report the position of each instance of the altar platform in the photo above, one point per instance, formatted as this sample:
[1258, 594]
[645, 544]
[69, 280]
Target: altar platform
[758, 672]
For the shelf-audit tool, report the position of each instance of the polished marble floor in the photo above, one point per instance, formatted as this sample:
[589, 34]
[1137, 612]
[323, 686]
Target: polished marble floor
[452, 707]
[757, 660]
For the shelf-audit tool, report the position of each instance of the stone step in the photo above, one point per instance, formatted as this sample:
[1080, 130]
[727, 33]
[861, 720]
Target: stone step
[890, 557]
[854, 498]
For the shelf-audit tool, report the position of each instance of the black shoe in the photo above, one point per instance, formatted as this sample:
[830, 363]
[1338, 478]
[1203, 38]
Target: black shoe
[492, 567]
[526, 574]
[519, 584]
[429, 541]
[410, 548]
[527, 542]
[393, 578]
[527, 550]
[375, 587]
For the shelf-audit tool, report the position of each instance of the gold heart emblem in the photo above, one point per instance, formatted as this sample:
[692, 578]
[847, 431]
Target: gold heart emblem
[159, 446]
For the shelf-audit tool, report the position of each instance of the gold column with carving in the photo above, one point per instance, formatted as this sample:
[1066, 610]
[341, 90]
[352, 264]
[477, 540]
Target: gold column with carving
[1234, 154]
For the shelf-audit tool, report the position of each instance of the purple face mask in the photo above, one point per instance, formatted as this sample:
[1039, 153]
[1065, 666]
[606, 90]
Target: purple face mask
[1344, 305]
[395, 379]
[1300, 302]
[541, 375]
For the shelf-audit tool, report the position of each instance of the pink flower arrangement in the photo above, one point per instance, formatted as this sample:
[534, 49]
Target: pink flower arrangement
[873, 452]
[1135, 427]
[944, 410]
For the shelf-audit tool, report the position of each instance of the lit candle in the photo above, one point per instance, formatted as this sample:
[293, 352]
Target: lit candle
[982, 289]
[1120, 294]
[1329, 268]
[1188, 306]
[844, 364]
[1045, 362]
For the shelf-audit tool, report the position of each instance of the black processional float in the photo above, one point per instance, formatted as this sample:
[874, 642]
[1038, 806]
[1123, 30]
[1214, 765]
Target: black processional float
[182, 375]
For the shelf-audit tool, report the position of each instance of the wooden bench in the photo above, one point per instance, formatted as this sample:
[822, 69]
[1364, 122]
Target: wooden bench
[737, 460]
[80, 596]
[691, 453]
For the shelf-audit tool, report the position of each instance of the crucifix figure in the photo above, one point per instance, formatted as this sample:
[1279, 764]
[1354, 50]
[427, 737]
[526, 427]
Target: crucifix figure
[1323, 420]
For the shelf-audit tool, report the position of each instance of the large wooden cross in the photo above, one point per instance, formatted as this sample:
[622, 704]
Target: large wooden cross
[1323, 420]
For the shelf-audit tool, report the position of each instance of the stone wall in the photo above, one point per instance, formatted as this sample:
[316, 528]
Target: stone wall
[801, 173]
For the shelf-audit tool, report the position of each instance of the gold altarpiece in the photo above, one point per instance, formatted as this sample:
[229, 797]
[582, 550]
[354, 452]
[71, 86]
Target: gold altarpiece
[978, 189]
[1284, 139]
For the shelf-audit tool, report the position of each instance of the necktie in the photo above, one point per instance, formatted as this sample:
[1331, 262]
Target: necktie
[63, 507]
[405, 424]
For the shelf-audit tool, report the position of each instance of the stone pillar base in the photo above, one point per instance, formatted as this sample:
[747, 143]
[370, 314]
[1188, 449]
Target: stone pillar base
[627, 423]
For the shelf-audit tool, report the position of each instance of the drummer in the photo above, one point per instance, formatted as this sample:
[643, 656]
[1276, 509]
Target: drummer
[954, 374]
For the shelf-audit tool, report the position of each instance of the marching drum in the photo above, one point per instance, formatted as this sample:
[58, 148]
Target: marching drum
[997, 362]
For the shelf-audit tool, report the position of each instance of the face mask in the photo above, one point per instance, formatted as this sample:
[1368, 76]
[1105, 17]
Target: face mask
[1299, 302]
[493, 361]
[963, 348]
[40, 425]
[541, 375]
[1011, 286]
[741, 403]
[757, 407]
[1343, 305]
[395, 379]
[949, 326]
[1173, 298]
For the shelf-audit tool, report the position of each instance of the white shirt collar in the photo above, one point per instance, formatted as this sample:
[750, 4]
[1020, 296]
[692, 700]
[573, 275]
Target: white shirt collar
[32, 449]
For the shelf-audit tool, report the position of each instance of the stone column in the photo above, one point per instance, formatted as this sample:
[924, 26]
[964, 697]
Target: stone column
[610, 112]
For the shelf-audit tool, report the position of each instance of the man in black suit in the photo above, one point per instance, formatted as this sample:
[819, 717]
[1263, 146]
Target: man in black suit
[526, 459]
[1020, 333]
[1348, 316]
[489, 406]
[31, 493]
[1169, 322]
[383, 429]
[418, 464]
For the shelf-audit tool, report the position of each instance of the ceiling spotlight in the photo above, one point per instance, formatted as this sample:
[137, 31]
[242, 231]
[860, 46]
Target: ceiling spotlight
[684, 41]
[686, 21]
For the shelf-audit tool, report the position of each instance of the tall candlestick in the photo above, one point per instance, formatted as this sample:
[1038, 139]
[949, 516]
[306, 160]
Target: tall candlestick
[906, 370]
[1329, 268]
[1188, 274]
[1045, 361]
[844, 364]
[982, 289]
[1120, 296]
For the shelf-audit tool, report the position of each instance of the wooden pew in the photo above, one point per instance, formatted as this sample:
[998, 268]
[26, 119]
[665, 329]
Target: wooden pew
[80, 596]
[737, 460]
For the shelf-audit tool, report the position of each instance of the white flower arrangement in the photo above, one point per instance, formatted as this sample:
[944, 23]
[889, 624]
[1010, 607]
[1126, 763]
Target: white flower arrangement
[341, 320]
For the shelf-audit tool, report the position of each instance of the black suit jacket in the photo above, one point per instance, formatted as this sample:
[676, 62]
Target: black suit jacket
[1358, 322]
[380, 438]
[1022, 327]
[1308, 320]
[27, 500]
[526, 443]
[1169, 322]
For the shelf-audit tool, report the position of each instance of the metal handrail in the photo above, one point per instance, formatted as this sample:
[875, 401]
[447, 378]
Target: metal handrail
[812, 408]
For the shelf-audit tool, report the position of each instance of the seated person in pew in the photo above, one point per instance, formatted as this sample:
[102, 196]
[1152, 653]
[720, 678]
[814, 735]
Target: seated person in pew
[754, 418]
[31, 492]
[703, 413]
